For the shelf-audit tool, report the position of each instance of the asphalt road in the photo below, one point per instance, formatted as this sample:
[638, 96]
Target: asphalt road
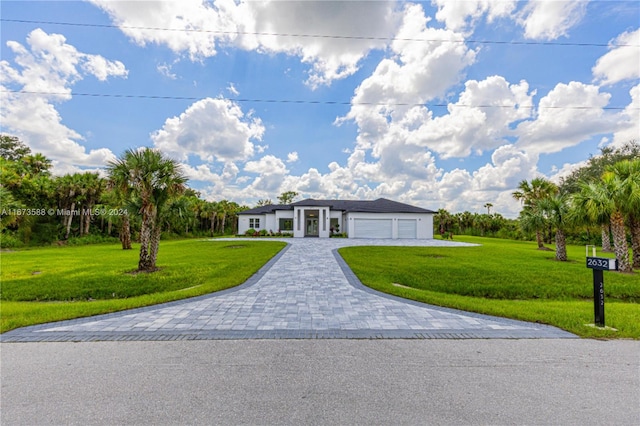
[456, 382]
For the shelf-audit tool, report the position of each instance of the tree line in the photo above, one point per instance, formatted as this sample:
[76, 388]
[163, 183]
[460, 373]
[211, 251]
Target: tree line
[142, 197]
[595, 204]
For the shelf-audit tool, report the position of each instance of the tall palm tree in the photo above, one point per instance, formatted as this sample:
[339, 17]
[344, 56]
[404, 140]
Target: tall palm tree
[629, 173]
[557, 210]
[117, 198]
[223, 211]
[69, 188]
[529, 195]
[152, 179]
[607, 197]
[488, 206]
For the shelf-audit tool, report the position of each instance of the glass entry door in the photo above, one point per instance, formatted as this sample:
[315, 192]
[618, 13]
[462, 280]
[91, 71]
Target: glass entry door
[312, 227]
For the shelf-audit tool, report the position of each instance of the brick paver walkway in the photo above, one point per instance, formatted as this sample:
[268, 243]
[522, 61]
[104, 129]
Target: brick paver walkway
[307, 291]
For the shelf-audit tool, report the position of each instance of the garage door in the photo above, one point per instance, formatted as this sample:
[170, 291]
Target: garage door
[372, 228]
[407, 228]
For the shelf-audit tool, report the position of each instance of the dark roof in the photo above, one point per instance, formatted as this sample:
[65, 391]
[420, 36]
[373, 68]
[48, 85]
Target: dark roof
[381, 205]
[267, 209]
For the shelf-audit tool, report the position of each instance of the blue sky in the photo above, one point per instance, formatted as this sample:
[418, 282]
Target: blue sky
[441, 104]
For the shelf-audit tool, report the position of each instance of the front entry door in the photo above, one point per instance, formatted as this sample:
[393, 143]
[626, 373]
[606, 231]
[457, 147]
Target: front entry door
[312, 227]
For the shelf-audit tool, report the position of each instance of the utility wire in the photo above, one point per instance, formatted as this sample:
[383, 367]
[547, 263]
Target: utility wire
[305, 101]
[196, 30]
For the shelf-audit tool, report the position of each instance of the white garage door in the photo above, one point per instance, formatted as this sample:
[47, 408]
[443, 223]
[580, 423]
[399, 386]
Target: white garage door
[407, 228]
[372, 228]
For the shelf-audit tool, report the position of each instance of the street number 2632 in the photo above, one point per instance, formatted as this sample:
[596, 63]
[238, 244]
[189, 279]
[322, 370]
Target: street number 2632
[597, 262]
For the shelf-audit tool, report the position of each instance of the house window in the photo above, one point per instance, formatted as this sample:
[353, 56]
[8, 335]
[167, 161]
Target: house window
[286, 224]
[254, 223]
[324, 220]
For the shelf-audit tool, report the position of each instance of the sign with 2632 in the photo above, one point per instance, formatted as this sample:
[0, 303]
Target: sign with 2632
[602, 263]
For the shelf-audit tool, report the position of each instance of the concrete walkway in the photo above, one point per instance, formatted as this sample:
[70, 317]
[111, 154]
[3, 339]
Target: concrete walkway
[307, 291]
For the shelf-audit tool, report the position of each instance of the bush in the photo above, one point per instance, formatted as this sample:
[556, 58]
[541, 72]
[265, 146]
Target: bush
[43, 234]
[91, 239]
[250, 232]
[263, 232]
[9, 241]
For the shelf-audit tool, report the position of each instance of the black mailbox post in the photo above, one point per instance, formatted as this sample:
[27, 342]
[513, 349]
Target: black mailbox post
[600, 264]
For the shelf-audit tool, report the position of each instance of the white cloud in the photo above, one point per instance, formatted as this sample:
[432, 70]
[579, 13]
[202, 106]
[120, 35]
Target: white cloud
[459, 15]
[478, 121]
[416, 73]
[49, 66]
[567, 115]
[628, 125]
[201, 173]
[213, 129]
[551, 19]
[566, 170]
[138, 18]
[102, 68]
[292, 157]
[271, 170]
[232, 89]
[621, 62]
[263, 26]
[165, 70]
[509, 165]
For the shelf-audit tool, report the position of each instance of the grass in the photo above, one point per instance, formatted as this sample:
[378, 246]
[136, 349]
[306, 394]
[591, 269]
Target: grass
[505, 278]
[58, 283]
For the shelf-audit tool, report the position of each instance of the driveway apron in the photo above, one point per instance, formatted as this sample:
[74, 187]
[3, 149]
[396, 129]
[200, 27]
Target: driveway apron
[306, 291]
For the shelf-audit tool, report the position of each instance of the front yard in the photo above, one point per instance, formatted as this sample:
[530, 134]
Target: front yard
[504, 278]
[58, 283]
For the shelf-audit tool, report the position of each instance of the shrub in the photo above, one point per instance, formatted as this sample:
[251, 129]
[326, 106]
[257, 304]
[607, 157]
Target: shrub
[250, 232]
[9, 241]
[91, 239]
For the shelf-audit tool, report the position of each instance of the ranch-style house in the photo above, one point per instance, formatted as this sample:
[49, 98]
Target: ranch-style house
[379, 218]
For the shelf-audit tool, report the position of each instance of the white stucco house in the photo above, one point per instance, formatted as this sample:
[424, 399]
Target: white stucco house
[379, 218]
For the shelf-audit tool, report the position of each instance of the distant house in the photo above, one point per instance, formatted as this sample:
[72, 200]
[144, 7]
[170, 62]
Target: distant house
[379, 218]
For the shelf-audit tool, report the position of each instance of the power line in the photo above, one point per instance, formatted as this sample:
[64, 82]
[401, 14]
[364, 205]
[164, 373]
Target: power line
[197, 30]
[305, 101]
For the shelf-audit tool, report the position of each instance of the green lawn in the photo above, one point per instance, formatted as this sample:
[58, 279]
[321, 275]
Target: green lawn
[505, 278]
[57, 283]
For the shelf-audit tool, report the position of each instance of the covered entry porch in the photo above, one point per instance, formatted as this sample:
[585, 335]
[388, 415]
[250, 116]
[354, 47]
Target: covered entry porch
[313, 221]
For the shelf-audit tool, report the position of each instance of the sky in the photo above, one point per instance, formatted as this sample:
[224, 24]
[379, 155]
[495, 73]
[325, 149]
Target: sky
[441, 104]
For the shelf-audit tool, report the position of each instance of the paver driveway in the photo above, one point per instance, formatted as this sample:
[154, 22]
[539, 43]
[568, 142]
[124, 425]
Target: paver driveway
[307, 291]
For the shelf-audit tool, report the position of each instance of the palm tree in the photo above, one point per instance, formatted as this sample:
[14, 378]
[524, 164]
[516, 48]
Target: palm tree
[37, 164]
[69, 189]
[91, 187]
[629, 173]
[9, 203]
[607, 197]
[121, 192]
[557, 211]
[223, 211]
[444, 220]
[233, 209]
[488, 206]
[529, 195]
[152, 179]
[209, 211]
